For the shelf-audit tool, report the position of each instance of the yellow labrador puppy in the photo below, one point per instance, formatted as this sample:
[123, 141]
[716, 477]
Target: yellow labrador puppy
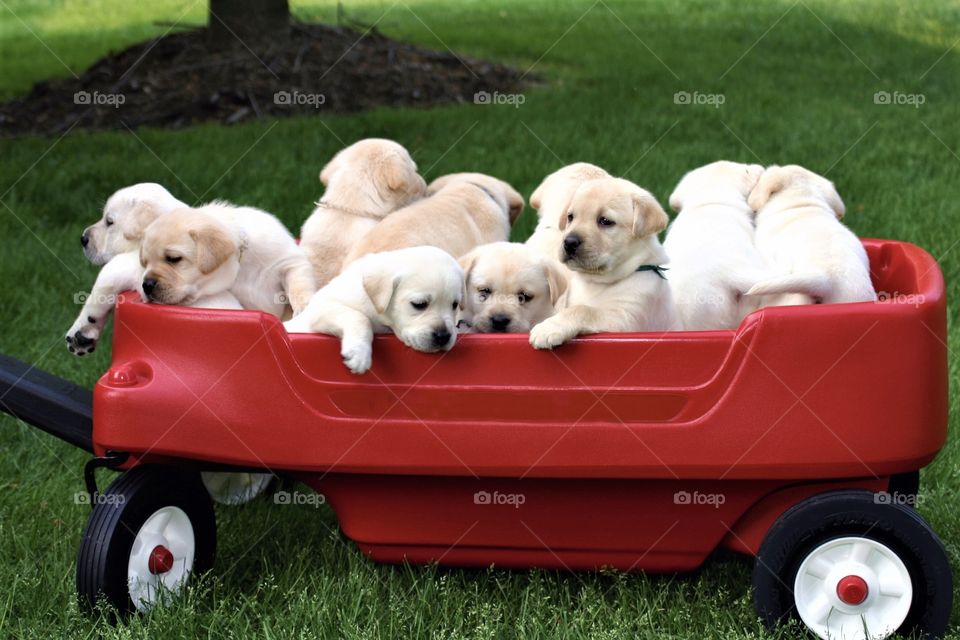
[799, 233]
[414, 292]
[465, 211]
[510, 288]
[190, 254]
[364, 182]
[114, 242]
[550, 200]
[610, 242]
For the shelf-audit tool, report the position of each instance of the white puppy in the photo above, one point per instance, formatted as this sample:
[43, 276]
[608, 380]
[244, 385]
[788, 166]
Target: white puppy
[190, 254]
[713, 261]
[364, 182]
[611, 245]
[114, 241]
[799, 233]
[550, 200]
[414, 292]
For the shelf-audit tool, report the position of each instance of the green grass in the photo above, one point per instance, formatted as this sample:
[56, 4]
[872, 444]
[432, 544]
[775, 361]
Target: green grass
[798, 81]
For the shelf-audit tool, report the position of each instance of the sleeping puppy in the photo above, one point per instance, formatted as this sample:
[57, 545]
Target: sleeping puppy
[364, 182]
[414, 292]
[466, 210]
[190, 254]
[610, 242]
[799, 233]
[713, 261]
[510, 287]
[550, 200]
[114, 241]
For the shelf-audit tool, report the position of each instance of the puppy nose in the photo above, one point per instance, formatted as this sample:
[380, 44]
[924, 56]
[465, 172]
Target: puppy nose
[500, 322]
[84, 239]
[149, 284]
[570, 244]
[441, 337]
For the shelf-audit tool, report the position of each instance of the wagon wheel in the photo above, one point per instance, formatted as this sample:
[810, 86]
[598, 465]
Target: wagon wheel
[149, 531]
[849, 566]
[235, 488]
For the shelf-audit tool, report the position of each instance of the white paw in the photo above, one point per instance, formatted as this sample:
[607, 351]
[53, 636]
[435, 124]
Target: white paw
[83, 336]
[547, 335]
[358, 357]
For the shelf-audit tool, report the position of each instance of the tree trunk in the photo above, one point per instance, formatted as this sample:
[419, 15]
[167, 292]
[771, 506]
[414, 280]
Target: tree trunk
[248, 19]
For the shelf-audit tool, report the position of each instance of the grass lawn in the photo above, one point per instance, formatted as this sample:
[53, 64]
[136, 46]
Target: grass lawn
[798, 81]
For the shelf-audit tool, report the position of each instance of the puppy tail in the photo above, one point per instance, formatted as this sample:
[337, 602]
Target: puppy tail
[815, 285]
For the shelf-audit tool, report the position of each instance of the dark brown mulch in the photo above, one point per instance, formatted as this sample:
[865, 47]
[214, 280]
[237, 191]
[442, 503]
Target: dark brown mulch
[182, 79]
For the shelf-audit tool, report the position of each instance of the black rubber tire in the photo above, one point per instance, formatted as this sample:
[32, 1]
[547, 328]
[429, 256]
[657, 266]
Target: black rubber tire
[117, 517]
[854, 513]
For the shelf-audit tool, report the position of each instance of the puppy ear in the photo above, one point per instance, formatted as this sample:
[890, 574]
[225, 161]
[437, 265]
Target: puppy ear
[834, 200]
[562, 222]
[398, 175]
[467, 262]
[676, 199]
[556, 280]
[648, 216]
[380, 285]
[773, 180]
[537, 197]
[214, 247]
[514, 202]
[142, 214]
[328, 170]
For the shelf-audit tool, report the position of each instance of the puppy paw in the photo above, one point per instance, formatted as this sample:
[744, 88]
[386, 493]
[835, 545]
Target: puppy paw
[82, 337]
[358, 358]
[547, 335]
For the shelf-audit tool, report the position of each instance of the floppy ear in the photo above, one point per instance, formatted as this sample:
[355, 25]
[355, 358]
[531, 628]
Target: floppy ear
[327, 172]
[467, 262]
[648, 216]
[380, 285]
[773, 180]
[214, 247]
[397, 174]
[676, 200]
[142, 214]
[562, 222]
[514, 202]
[834, 200]
[556, 280]
[537, 197]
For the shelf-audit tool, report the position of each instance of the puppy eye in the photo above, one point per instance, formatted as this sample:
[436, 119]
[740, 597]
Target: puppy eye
[173, 259]
[109, 222]
[570, 217]
[484, 293]
[419, 306]
[524, 297]
[605, 222]
[455, 305]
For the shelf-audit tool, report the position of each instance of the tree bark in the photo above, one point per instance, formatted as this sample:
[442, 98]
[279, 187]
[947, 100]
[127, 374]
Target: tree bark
[248, 19]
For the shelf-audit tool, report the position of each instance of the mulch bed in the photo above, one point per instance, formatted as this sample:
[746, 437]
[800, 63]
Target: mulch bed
[182, 79]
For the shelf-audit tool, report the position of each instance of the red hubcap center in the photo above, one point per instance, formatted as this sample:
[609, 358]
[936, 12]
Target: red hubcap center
[161, 560]
[852, 590]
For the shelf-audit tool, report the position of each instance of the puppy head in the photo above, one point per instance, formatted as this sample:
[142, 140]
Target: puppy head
[374, 172]
[505, 195]
[418, 291]
[187, 254]
[794, 181]
[718, 181]
[557, 188]
[606, 222]
[510, 288]
[126, 215]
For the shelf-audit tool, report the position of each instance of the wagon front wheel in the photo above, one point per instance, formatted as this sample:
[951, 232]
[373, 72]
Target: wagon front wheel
[147, 534]
[848, 565]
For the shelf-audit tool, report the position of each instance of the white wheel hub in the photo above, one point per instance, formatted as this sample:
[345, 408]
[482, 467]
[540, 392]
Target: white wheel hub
[235, 488]
[853, 589]
[161, 557]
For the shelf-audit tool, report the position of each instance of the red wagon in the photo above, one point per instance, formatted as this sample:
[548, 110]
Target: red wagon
[796, 438]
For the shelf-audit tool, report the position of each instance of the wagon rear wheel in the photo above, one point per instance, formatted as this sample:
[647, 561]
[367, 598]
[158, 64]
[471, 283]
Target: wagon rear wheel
[147, 534]
[848, 565]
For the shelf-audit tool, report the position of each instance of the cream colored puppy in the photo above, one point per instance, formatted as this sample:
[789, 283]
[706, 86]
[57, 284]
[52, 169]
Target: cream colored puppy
[190, 254]
[114, 242]
[799, 233]
[465, 211]
[510, 287]
[610, 242]
[414, 292]
[550, 200]
[713, 261]
[364, 182]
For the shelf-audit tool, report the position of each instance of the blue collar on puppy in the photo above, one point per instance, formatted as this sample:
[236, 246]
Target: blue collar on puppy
[657, 269]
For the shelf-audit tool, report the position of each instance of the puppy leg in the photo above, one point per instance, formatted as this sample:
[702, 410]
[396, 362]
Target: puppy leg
[566, 325]
[299, 284]
[123, 273]
[352, 327]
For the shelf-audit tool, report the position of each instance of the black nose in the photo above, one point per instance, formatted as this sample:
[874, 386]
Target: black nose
[499, 322]
[149, 284]
[84, 239]
[441, 337]
[571, 243]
